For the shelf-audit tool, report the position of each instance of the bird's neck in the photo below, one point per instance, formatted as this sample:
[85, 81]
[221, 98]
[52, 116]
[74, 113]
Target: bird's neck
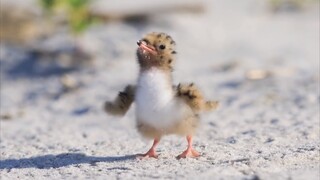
[164, 63]
[156, 77]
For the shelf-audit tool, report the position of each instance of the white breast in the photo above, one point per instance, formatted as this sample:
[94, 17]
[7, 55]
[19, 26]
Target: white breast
[155, 101]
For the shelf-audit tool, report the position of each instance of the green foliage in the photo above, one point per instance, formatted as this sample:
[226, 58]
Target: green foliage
[47, 4]
[78, 3]
[77, 12]
[293, 4]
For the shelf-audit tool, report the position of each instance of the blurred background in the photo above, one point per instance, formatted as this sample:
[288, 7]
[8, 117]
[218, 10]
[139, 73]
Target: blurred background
[62, 59]
[68, 56]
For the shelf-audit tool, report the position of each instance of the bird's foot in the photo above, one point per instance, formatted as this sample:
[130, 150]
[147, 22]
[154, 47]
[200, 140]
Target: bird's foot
[190, 152]
[150, 154]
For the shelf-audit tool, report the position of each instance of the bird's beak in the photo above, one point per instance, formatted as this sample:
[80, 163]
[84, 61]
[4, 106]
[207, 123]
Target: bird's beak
[146, 48]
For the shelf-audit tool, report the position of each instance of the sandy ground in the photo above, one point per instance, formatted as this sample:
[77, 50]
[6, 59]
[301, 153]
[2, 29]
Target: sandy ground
[264, 129]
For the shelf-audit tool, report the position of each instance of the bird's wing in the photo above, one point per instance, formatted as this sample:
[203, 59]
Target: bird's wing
[194, 98]
[122, 102]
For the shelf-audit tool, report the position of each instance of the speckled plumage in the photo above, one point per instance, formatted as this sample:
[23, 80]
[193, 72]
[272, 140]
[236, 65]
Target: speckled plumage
[161, 107]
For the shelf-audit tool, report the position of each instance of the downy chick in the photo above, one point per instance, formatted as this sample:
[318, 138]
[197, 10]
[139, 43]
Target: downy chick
[161, 107]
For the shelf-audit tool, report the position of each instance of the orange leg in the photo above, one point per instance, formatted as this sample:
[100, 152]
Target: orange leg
[190, 152]
[151, 152]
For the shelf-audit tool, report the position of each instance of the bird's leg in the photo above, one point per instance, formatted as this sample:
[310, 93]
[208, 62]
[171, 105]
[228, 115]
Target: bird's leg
[152, 151]
[190, 152]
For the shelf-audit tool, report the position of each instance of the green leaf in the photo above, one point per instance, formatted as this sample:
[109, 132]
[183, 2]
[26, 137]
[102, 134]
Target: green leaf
[78, 3]
[48, 4]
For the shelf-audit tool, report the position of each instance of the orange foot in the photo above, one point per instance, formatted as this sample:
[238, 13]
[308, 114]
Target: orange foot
[152, 152]
[190, 152]
[149, 154]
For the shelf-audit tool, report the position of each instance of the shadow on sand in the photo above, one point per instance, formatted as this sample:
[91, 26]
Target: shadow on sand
[32, 67]
[60, 160]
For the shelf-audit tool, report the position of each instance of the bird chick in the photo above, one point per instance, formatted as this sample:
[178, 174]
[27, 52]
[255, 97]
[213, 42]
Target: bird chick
[161, 107]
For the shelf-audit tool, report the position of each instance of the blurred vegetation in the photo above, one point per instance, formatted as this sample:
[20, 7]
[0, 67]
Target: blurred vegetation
[76, 11]
[278, 5]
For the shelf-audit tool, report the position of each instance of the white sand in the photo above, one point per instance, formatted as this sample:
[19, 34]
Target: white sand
[265, 129]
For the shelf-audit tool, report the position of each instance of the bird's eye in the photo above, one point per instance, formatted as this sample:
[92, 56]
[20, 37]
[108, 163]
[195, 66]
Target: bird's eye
[162, 46]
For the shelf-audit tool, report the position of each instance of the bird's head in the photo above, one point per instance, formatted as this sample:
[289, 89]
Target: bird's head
[156, 50]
